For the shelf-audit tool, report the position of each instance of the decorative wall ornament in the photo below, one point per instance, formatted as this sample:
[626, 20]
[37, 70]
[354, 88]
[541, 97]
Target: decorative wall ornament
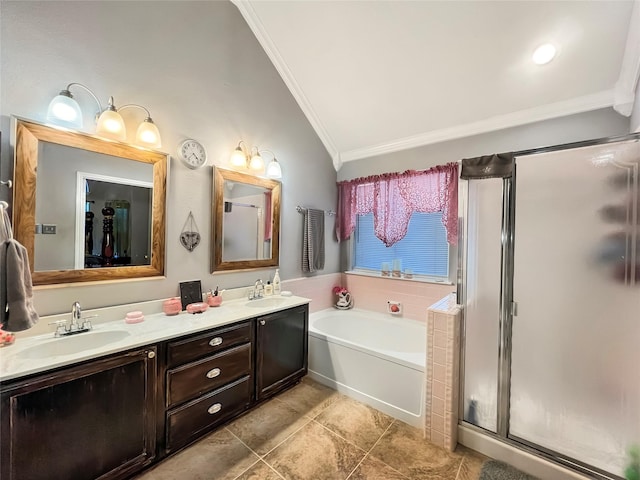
[190, 238]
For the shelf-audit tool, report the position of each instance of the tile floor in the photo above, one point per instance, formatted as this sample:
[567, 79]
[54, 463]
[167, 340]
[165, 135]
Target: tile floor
[311, 432]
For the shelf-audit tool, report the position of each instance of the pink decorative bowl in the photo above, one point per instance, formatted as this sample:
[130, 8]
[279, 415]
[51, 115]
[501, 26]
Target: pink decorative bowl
[214, 301]
[197, 307]
[173, 306]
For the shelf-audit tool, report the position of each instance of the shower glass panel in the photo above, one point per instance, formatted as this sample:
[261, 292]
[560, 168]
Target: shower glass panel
[482, 307]
[575, 388]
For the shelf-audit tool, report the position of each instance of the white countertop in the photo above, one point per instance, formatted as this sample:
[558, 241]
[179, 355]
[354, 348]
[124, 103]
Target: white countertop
[21, 358]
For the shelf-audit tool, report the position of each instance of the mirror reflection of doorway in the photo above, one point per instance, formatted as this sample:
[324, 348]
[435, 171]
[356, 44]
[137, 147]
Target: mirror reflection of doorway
[121, 237]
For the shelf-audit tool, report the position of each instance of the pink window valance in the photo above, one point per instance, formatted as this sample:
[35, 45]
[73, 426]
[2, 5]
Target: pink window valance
[393, 197]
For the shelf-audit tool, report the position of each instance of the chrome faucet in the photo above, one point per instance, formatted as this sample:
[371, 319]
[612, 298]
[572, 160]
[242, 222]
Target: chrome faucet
[258, 289]
[76, 316]
[72, 327]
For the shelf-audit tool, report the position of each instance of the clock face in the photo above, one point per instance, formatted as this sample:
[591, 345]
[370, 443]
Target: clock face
[192, 153]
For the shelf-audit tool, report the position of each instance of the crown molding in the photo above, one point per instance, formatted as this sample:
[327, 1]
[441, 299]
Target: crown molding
[257, 27]
[536, 114]
[625, 88]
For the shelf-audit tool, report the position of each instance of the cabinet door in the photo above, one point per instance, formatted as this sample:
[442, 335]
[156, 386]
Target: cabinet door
[281, 350]
[84, 422]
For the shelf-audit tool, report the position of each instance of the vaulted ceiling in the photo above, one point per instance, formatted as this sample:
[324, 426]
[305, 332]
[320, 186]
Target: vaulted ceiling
[375, 77]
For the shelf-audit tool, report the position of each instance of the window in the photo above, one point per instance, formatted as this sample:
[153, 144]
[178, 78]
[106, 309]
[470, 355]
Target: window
[424, 249]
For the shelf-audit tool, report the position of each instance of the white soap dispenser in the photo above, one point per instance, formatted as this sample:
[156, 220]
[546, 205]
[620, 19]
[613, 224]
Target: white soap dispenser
[276, 283]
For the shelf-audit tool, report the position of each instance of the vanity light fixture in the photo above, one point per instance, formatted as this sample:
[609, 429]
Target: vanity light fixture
[147, 133]
[274, 170]
[65, 111]
[256, 163]
[252, 160]
[238, 156]
[111, 124]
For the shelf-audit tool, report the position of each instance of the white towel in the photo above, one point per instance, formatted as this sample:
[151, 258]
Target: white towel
[313, 241]
[16, 290]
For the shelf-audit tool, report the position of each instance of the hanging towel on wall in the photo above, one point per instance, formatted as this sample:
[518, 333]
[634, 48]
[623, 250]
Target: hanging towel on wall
[16, 290]
[313, 240]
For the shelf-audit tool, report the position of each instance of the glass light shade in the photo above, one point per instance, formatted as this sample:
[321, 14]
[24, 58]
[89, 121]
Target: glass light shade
[148, 134]
[238, 158]
[274, 170]
[544, 54]
[111, 125]
[65, 111]
[257, 162]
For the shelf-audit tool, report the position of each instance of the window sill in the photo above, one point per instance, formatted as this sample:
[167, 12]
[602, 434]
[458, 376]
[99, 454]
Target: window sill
[419, 279]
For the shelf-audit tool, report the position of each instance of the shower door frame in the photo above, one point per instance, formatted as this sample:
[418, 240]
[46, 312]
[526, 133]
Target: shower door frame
[508, 310]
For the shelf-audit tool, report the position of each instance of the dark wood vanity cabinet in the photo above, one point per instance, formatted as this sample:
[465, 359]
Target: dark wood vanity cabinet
[281, 350]
[111, 417]
[90, 421]
[209, 379]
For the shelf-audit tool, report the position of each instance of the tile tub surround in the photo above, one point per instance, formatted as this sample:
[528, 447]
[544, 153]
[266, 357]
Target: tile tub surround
[442, 373]
[317, 288]
[372, 293]
[313, 432]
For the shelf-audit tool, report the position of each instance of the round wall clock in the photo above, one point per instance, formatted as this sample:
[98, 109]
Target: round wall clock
[192, 153]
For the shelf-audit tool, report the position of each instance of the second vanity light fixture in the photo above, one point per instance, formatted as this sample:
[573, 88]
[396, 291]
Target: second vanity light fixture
[65, 111]
[252, 159]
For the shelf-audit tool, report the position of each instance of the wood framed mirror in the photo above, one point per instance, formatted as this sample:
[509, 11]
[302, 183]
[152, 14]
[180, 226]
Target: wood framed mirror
[86, 208]
[246, 221]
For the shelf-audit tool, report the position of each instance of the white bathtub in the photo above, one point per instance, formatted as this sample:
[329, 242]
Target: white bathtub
[375, 358]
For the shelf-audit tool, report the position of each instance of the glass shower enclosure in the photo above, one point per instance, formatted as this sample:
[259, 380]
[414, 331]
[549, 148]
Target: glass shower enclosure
[550, 283]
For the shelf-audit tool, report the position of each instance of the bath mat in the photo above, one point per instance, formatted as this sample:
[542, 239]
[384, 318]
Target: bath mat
[494, 470]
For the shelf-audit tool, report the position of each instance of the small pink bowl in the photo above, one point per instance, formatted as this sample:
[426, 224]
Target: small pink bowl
[197, 307]
[134, 317]
[173, 306]
[214, 301]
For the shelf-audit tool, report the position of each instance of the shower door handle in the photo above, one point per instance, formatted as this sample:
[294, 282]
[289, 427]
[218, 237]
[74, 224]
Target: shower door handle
[514, 309]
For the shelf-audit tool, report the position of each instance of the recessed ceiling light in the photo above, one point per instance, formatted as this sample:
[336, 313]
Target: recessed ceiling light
[544, 54]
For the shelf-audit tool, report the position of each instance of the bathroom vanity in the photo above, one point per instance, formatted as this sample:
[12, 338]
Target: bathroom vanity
[111, 415]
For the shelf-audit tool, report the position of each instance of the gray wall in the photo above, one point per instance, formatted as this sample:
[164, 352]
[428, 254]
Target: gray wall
[201, 72]
[584, 126]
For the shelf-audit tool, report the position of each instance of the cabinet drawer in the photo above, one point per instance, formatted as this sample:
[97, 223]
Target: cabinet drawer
[188, 421]
[196, 378]
[200, 346]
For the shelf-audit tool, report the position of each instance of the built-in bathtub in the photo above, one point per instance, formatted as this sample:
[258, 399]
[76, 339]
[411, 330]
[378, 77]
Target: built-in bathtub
[375, 358]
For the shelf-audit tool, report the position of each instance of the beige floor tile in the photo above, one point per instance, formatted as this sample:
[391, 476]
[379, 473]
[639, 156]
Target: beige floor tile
[471, 463]
[373, 469]
[260, 471]
[268, 425]
[403, 448]
[315, 453]
[358, 423]
[219, 456]
[309, 397]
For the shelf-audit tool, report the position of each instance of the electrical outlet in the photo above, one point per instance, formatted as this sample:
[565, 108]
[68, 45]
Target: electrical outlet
[48, 229]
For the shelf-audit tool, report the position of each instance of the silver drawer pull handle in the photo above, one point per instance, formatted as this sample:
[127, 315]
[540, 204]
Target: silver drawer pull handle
[213, 373]
[215, 408]
[214, 342]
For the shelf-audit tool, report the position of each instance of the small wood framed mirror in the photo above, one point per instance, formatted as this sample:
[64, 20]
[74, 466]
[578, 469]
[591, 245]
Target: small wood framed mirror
[86, 208]
[246, 221]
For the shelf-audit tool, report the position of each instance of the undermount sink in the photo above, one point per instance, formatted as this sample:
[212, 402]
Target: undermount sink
[73, 344]
[265, 302]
